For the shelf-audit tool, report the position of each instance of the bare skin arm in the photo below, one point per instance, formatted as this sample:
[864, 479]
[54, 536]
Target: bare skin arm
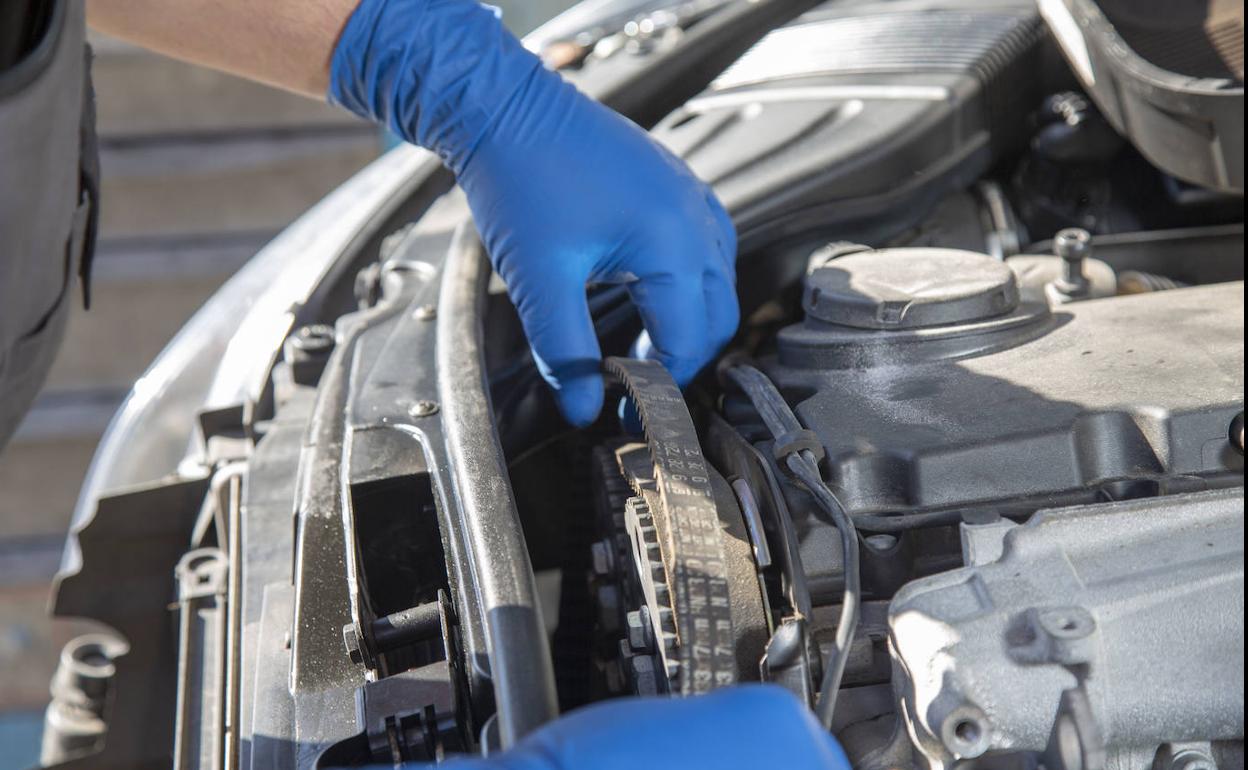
[285, 43]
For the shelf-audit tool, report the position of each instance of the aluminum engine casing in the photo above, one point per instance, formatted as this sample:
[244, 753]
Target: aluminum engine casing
[1136, 607]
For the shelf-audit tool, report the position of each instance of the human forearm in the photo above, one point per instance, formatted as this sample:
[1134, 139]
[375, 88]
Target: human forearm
[286, 43]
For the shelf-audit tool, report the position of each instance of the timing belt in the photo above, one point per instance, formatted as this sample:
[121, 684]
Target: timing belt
[688, 528]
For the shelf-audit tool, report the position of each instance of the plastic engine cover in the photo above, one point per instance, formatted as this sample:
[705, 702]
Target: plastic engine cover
[1103, 398]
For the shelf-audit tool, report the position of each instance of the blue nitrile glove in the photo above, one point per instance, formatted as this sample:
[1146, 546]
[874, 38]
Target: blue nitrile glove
[563, 190]
[738, 728]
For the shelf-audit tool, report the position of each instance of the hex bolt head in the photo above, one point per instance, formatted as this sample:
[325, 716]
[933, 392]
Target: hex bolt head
[642, 672]
[423, 409]
[640, 630]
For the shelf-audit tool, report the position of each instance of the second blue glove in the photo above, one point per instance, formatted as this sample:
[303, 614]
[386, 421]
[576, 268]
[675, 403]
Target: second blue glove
[564, 191]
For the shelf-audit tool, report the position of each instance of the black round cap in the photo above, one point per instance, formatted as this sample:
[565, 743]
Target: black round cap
[910, 288]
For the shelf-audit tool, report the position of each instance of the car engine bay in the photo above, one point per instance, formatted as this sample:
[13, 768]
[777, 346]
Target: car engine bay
[968, 481]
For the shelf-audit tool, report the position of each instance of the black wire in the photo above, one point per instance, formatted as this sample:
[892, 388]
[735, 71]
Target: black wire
[780, 420]
[807, 471]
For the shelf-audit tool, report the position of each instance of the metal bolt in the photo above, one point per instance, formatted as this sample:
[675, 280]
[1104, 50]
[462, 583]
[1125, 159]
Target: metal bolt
[1237, 433]
[640, 630]
[312, 339]
[1074, 246]
[425, 312]
[641, 671]
[423, 408]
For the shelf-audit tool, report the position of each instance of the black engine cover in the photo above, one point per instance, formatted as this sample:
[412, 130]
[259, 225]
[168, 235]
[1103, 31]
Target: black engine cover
[1113, 398]
[1141, 387]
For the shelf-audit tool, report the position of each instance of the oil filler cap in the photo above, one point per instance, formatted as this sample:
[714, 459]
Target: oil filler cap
[910, 288]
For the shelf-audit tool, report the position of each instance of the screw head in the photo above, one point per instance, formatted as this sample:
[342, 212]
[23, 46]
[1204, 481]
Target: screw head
[1072, 243]
[423, 409]
[425, 313]
[314, 338]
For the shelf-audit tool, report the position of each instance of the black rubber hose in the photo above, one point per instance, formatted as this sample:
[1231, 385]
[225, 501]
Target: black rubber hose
[780, 420]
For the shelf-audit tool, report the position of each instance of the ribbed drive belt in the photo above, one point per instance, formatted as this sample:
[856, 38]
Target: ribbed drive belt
[688, 529]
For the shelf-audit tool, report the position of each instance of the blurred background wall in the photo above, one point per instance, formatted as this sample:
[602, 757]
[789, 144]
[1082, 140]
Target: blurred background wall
[200, 170]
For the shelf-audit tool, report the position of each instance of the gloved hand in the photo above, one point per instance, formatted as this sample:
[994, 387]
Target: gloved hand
[563, 190]
[738, 728]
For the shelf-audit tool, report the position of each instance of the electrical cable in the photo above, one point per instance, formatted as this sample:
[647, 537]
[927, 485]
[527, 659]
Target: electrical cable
[804, 465]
